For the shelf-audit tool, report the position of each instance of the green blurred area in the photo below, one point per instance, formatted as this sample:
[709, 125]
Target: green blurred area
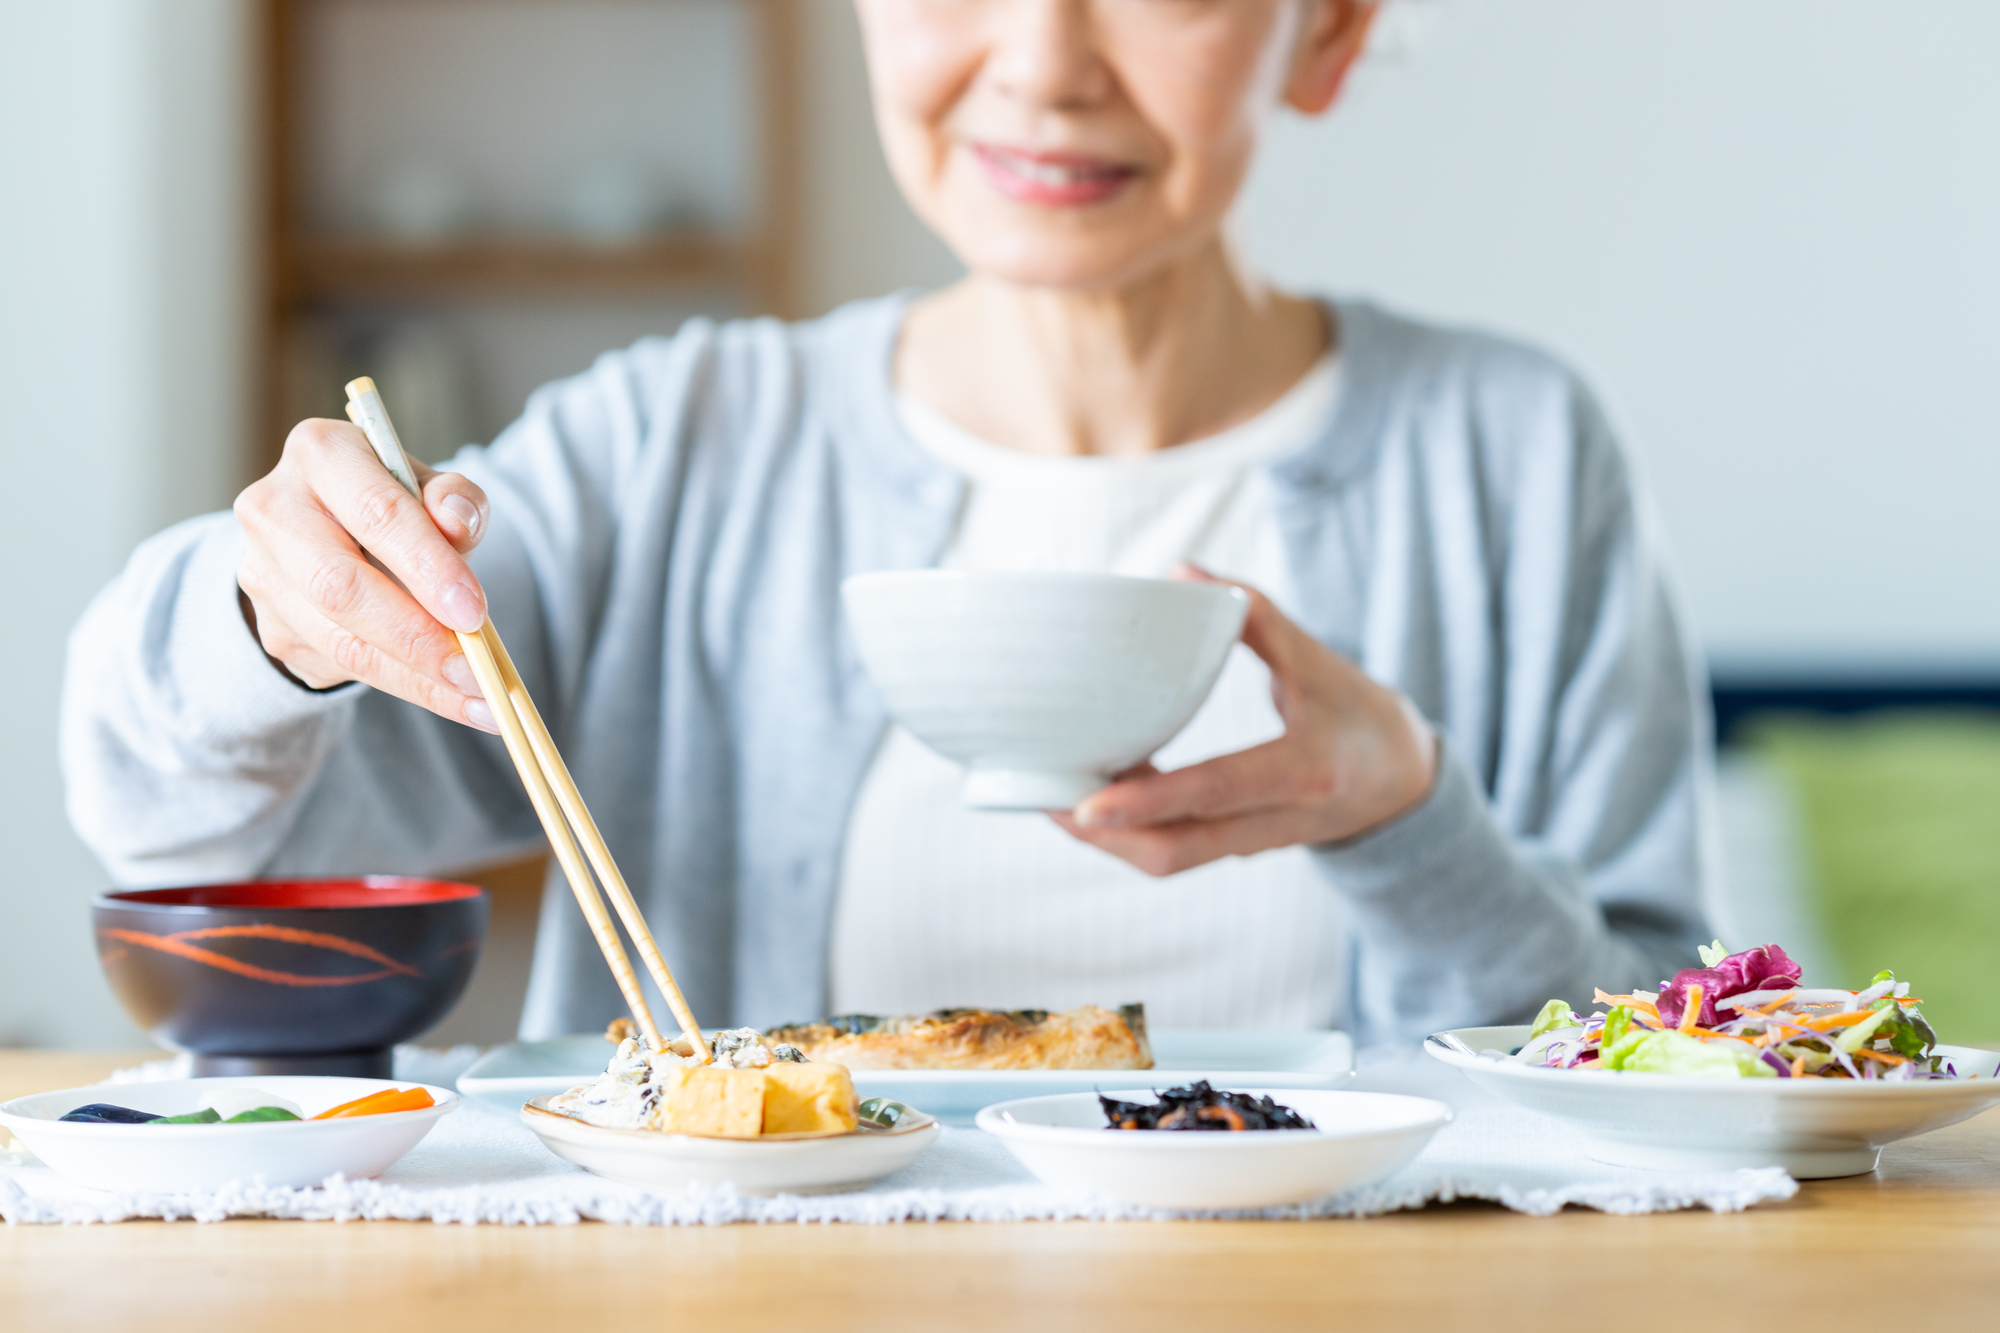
[1901, 816]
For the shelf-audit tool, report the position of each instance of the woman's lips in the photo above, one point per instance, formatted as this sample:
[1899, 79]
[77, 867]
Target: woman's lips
[1052, 178]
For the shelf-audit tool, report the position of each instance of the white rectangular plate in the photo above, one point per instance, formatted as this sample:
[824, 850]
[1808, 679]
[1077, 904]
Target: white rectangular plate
[508, 1076]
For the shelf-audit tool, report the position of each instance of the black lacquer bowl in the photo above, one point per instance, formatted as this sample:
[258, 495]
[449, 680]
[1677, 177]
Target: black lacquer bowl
[316, 976]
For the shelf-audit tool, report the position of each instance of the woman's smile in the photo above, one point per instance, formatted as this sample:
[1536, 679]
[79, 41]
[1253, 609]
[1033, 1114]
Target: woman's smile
[1053, 179]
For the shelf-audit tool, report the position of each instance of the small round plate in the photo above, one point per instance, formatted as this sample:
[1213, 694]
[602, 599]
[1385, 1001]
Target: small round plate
[1812, 1127]
[161, 1159]
[784, 1164]
[1361, 1138]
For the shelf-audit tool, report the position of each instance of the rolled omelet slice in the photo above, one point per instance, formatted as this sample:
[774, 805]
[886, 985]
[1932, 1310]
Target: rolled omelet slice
[782, 1098]
[811, 1098]
[704, 1100]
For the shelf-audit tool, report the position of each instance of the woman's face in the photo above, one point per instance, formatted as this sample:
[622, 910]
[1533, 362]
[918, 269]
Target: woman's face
[1083, 144]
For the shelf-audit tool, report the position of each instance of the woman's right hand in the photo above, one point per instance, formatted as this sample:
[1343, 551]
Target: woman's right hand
[348, 577]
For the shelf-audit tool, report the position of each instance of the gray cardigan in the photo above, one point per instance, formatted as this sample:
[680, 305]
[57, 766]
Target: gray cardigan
[669, 532]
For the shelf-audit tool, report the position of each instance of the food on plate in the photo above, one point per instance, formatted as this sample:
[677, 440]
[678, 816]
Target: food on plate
[104, 1113]
[1745, 1015]
[249, 1106]
[1200, 1107]
[752, 1088]
[380, 1103]
[232, 1103]
[1091, 1037]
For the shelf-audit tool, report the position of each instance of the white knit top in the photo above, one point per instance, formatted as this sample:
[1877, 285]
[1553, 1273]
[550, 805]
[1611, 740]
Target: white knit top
[941, 906]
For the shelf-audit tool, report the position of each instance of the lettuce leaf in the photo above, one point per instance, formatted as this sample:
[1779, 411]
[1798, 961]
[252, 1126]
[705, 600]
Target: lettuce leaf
[1555, 1014]
[1641, 1051]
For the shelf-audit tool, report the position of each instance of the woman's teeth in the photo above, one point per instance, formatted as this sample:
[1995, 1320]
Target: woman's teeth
[1052, 173]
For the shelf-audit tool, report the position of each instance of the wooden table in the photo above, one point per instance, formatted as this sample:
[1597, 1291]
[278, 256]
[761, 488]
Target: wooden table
[1924, 1228]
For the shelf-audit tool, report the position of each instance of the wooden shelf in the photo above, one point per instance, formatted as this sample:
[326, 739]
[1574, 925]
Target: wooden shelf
[303, 274]
[337, 267]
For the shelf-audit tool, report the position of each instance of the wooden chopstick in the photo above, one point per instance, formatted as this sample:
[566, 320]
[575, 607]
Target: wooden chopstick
[551, 790]
[594, 845]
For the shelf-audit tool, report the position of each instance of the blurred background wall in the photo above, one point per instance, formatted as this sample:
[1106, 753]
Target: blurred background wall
[1761, 228]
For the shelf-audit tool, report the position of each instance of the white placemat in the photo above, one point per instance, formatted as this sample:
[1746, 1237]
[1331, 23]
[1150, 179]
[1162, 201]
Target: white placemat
[482, 1165]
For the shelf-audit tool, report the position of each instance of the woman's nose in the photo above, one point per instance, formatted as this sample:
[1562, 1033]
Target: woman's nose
[1047, 52]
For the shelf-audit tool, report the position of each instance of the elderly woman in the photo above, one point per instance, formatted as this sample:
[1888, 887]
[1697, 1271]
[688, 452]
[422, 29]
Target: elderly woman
[1456, 766]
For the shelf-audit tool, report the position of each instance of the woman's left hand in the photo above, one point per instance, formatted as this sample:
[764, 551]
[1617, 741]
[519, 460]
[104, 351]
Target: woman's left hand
[1355, 756]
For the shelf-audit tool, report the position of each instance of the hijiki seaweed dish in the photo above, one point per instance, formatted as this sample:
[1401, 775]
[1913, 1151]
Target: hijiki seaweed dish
[1201, 1107]
[1745, 1015]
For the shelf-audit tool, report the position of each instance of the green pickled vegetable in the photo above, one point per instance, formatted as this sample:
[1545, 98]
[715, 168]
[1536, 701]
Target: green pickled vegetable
[206, 1116]
[257, 1113]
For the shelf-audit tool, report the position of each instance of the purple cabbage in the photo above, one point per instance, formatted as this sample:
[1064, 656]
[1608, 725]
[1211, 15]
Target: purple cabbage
[1766, 967]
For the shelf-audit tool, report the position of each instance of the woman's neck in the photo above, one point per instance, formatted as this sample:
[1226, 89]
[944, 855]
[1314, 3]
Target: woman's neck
[1178, 356]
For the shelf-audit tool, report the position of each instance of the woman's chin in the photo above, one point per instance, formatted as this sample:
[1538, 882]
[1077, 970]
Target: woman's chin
[1070, 263]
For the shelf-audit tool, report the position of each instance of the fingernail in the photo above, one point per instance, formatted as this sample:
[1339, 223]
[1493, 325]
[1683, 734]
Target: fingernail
[1090, 816]
[466, 512]
[458, 674]
[479, 715]
[461, 607]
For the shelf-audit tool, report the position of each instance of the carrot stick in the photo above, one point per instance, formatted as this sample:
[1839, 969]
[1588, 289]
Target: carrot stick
[1630, 1001]
[1846, 1020]
[380, 1103]
[1692, 1013]
[1884, 1056]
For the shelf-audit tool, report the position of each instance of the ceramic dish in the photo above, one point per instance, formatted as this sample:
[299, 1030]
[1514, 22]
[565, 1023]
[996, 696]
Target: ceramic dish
[174, 1158]
[1361, 1138]
[1042, 684]
[510, 1075]
[783, 1164]
[1811, 1127]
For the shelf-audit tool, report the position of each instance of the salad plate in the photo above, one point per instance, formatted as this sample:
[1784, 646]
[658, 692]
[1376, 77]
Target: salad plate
[1358, 1139]
[169, 1158]
[1812, 1127]
[774, 1164]
[509, 1075]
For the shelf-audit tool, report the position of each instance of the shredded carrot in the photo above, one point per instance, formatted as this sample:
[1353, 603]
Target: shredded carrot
[1775, 1005]
[1798, 1066]
[1884, 1056]
[1693, 1011]
[1629, 1001]
[1908, 999]
[1846, 1020]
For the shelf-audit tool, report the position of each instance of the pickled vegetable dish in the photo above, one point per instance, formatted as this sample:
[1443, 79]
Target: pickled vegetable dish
[249, 1106]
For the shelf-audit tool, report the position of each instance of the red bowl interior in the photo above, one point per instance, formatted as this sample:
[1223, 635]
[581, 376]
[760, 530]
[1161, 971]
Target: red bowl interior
[364, 891]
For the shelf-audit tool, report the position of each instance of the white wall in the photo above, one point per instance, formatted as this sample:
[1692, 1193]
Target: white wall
[120, 365]
[1766, 230]
[863, 239]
